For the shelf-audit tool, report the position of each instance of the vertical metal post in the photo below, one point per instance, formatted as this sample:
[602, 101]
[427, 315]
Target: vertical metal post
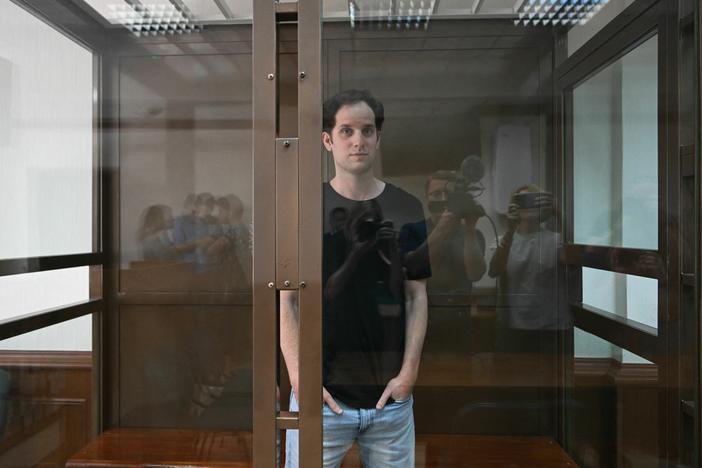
[698, 229]
[310, 250]
[264, 297]
[286, 214]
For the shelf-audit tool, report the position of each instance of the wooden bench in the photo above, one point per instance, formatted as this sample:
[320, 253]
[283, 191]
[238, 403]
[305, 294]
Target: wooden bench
[173, 447]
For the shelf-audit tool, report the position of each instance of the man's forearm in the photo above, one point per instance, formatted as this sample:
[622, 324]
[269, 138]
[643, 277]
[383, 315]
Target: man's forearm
[290, 334]
[498, 263]
[415, 328]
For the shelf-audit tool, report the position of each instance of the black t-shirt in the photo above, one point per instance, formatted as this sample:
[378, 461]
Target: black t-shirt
[364, 309]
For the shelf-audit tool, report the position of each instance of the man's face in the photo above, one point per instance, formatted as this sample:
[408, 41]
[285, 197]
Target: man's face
[438, 190]
[203, 209]
[168, 218]
[237, 213]
[354, 139]
[221, 213]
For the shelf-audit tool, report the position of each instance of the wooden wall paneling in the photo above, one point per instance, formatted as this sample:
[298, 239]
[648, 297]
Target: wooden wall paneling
[48, 409]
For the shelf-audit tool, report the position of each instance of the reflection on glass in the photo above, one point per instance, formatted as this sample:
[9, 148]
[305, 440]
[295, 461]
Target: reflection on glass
[186, 232]
[615, 152]
[456, 246]
[187, 226]
[465, 139]
[46, 394]
[614, 415]
[525, 261]
[195, 371]
[375, 265]
[630, 296]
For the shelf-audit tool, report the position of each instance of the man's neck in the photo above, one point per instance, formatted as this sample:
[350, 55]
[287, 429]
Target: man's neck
[357, 187]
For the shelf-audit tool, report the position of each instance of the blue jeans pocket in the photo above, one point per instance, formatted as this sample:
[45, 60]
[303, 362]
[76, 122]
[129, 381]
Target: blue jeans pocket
[406, 400]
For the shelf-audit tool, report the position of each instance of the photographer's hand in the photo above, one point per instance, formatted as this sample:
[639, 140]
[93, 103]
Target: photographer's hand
[544, 200]
[387, 237]
[512, 217]
[359, 249]
[448, 223]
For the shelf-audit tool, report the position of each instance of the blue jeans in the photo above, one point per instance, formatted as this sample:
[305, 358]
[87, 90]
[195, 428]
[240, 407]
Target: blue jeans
[385, 437]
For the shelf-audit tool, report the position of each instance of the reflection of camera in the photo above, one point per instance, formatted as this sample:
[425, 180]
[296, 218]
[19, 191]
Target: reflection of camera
[461, 200]
[528, 200]
[366, 229]
[462, 204]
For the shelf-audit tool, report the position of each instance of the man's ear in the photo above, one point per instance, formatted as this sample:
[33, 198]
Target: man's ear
[377, 143]
[327, 140]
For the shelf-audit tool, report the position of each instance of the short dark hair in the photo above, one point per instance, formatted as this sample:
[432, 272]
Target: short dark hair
[205, 198]
[350, 96]
[448, 176]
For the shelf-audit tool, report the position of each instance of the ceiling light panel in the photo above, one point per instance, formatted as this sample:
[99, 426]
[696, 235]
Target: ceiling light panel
[106, 8]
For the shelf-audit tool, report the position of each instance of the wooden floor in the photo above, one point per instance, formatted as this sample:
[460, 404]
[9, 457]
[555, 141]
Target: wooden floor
[161, 448]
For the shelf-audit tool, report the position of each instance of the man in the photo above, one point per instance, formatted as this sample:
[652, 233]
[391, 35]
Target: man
[456, 247]
[375, 304]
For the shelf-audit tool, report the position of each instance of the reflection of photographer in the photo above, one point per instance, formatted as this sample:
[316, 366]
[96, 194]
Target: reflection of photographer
[525, 260]
[366, 232]
[456, 247]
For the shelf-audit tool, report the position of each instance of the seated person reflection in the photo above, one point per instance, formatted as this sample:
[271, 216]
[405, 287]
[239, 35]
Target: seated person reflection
[374, 304]
[195, 234]
[156, 234]
[525, 261]
[241, 236]
[456, 247]
[230, 246]
[184, 230]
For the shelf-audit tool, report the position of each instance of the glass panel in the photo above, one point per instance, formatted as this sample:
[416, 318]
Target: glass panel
[46, 139]
[33, 292]
[440, 249]
[630, 296]
[46, 394]
[185, 236]
[195, 372]
[614, 416]
[615, 142]
[186, 168]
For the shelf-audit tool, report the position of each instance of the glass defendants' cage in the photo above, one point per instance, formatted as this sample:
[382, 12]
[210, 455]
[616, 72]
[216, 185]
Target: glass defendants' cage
[225, 220]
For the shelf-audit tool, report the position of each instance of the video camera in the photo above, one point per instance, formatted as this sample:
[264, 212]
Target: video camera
[461, 199]
[367, 229]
